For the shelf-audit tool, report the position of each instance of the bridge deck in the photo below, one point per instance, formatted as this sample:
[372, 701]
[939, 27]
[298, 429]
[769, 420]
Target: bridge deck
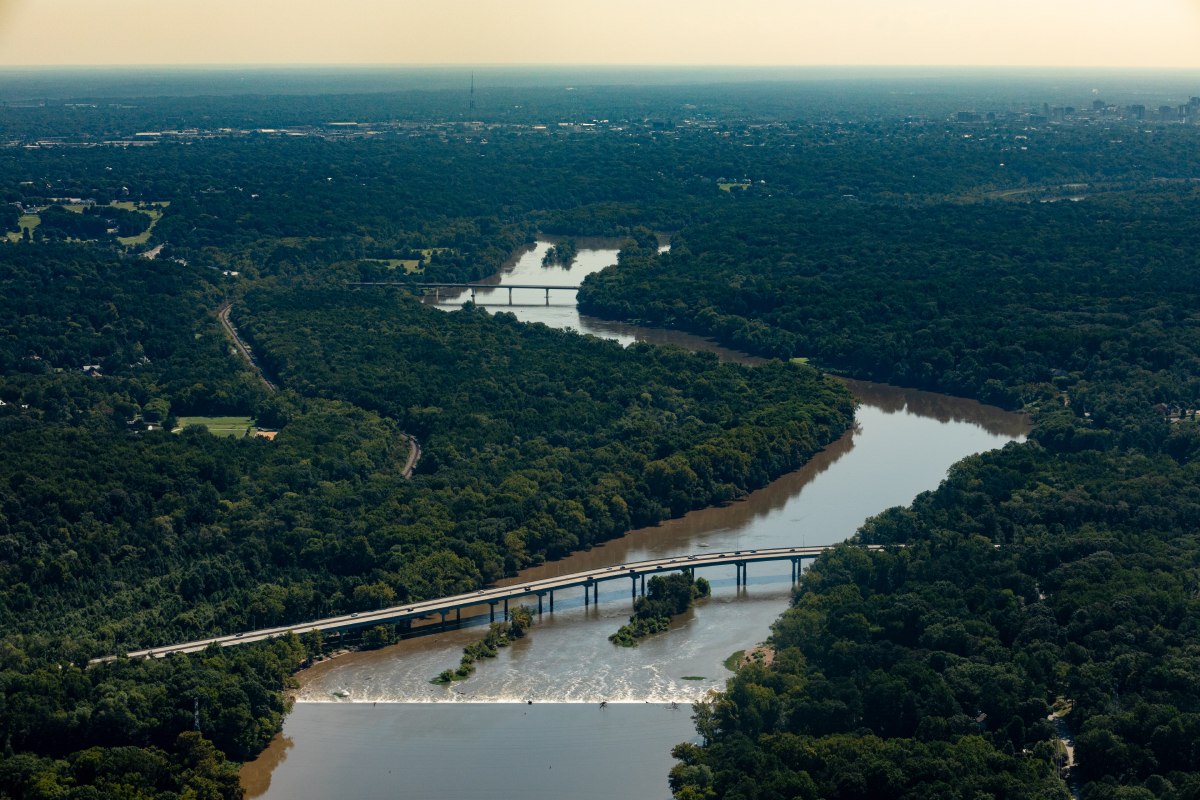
[494, 596]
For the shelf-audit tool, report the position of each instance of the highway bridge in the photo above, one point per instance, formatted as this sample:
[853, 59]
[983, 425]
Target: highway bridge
[490, 599]
[473, 287]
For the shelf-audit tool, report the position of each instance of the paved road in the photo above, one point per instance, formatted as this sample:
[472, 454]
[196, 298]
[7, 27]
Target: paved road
[484, 598]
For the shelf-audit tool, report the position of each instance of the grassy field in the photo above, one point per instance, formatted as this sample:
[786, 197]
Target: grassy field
[154, 212]
[129, 205]
[30, 221]
[409, 265]
[236, 427]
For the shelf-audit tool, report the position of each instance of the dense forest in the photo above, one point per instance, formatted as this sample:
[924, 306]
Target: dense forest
[270, 203]
[118, 533]
[538, 441]
[1033, 581]
[1045, 587]
[1054, 578]
[1008, 302]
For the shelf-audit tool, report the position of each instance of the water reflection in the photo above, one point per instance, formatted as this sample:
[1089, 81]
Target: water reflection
[892, 455]
[941, 407]
[903, 443]
[256, 775]
[525, 267]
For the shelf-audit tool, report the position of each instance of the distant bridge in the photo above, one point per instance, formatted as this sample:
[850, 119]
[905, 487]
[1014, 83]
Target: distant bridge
[473, 287]
[543, 589]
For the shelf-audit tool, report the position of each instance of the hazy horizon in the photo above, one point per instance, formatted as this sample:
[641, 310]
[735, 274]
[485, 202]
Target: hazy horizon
[499, 86]
[1101, 34]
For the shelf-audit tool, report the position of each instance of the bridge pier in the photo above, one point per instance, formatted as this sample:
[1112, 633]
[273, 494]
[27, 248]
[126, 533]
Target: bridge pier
[404, 618]
[472, 294]
[506, 609]
[547, 296]
[491, 611]
[510, 295]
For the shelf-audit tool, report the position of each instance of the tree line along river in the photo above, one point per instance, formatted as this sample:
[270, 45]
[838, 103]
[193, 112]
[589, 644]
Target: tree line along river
[529, 722]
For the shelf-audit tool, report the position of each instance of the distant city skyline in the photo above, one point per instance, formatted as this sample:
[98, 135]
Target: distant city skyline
[1050, 33]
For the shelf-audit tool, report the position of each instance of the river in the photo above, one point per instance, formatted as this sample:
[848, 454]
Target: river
[398, 735]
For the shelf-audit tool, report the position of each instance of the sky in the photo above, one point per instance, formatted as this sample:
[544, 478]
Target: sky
[1056, 33]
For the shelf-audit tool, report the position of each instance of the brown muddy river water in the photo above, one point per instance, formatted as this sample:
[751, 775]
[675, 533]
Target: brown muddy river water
[370, 725]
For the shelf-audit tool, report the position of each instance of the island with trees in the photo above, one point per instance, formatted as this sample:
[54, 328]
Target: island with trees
[120, 534]
[1049, 585]
[561, 254]
[499, 635]
[666, 597]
